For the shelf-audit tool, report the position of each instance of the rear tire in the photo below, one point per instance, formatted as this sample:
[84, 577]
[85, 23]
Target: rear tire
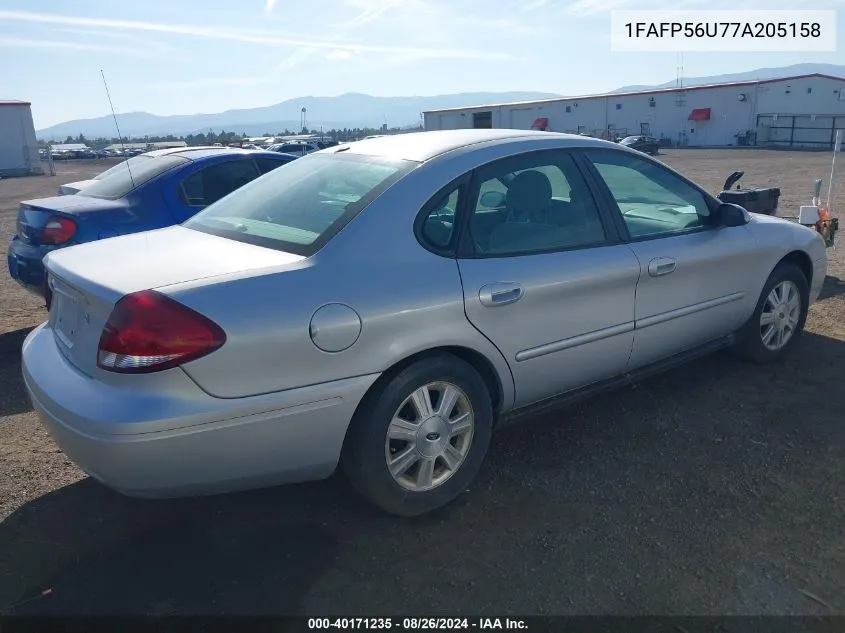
[417, 442]
[778, 318]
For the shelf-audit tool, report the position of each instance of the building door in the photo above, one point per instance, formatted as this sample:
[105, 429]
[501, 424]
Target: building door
[645, 129]
[482, 120]
[522, 118]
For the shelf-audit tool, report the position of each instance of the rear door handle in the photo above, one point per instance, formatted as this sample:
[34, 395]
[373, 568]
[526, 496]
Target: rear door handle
[499, 294]
[661, 266]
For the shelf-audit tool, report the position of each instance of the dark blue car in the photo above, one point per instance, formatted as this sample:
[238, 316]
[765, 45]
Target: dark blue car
[150, 191]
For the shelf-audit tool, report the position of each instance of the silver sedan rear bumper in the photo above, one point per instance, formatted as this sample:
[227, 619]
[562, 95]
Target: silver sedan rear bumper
[162, 436]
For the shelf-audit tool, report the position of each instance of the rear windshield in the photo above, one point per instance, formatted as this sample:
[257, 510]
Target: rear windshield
[122, 165]
[122, 181]
[300, 206]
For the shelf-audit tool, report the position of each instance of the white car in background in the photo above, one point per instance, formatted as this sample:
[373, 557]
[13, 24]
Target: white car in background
[297, 148]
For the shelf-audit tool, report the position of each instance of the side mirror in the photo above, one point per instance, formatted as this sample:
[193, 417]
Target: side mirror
[728, 214]
[492, 199]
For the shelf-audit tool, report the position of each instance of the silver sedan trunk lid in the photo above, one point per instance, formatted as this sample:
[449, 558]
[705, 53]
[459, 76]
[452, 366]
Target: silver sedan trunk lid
[87, 280]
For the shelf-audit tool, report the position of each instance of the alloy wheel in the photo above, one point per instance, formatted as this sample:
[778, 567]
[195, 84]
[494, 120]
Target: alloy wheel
[429, 436]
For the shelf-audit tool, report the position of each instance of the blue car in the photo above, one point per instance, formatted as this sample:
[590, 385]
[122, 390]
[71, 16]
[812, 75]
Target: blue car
[146, 192]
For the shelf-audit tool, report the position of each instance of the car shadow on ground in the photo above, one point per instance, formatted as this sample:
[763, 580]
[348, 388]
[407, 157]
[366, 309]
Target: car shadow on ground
[672, 477]
[833, 287]
[13, 396]
[253, 553]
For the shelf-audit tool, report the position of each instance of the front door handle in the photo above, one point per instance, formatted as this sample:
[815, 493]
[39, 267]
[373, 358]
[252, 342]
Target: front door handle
[661, 266]
[499, 294]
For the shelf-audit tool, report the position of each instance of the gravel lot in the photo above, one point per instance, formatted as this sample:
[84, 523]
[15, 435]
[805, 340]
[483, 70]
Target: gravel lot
[715, 489]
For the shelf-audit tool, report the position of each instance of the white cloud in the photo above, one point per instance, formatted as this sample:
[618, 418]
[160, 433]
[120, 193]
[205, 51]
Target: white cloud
[339, 54]
[13, 42]
[101, 34]
[271, 4]
[371, 12]
[592, 7]
[293, 60]
[249, 36]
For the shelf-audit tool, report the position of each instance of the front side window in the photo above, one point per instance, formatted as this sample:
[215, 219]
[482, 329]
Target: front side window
[211, 183]
[533, 203]
[652, 200]
[299, 208]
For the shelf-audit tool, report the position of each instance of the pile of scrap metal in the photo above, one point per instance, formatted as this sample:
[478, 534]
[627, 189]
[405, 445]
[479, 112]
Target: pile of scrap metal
[817, 215]
[757, 200]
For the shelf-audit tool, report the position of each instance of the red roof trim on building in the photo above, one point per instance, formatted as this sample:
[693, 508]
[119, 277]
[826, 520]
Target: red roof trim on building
[15, 103]
[700, 114]
[657, 91]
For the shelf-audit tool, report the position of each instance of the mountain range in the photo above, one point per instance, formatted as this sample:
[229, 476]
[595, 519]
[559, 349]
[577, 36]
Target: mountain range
[751, 75]
[354, 110]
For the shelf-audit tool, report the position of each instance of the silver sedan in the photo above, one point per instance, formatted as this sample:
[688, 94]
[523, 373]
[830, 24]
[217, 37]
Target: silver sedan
[383, 306]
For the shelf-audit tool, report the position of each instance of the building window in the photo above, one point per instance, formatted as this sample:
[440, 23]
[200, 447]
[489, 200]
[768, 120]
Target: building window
[652, 104]
[569, 108]
[809, 90]
[618, 106]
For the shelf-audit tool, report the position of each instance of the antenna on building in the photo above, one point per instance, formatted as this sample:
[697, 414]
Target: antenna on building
[117, 127]
[679, 71]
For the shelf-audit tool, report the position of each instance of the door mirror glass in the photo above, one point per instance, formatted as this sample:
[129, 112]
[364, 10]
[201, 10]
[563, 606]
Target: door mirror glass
[492, 199]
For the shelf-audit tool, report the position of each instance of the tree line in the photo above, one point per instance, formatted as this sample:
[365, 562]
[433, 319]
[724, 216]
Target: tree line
[226, 138]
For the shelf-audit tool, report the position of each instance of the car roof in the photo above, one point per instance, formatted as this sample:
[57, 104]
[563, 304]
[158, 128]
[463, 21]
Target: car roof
[423, 146]
[196, 153]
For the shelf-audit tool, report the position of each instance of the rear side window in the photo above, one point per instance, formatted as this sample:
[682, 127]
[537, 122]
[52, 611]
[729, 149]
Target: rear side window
[122, 166]
[121, 182]
[299, 208]
[211, 183]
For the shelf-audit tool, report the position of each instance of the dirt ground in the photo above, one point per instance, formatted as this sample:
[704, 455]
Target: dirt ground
[715, 489]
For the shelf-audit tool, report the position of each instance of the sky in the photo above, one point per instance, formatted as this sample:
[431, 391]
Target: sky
[206, 56]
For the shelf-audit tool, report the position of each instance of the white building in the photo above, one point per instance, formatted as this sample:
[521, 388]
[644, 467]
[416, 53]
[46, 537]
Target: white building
[799, 111]
[18, 148]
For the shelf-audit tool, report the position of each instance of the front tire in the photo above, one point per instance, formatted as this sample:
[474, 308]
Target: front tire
[778, 318]
[418, 441]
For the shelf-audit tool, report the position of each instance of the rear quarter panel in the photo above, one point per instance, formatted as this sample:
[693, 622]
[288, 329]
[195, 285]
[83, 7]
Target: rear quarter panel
[408, 301]
[144, 210]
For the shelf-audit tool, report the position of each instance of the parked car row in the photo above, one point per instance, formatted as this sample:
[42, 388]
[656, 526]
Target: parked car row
[381, 306]
[149, 191]
[74, 154]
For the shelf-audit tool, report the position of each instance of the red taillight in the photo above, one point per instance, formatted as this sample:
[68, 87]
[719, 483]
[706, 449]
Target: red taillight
[149, 332]
[57, 230]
